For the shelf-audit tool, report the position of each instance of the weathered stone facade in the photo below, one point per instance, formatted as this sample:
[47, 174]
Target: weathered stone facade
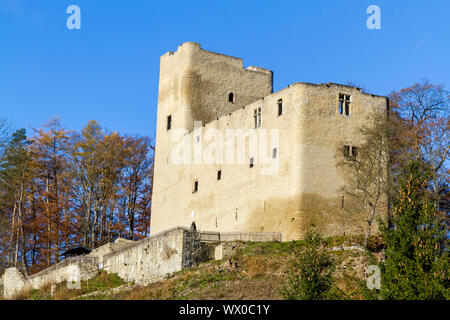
[299, 189]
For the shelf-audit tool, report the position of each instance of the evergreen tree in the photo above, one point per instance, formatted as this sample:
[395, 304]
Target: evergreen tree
[311, 275]
[417, 260]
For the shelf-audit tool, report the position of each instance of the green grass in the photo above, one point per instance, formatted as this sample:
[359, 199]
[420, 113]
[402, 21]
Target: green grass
[257, 270]
[270, 248]
[103, 281]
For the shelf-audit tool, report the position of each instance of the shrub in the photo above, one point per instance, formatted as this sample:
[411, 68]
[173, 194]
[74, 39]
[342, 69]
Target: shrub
[311, 275]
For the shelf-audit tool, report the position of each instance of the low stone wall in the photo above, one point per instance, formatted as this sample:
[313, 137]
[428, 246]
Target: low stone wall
[13, 282]
[110, 247]
[150, 259]
[179, 248]
[72, 270]
[239, 236]
[76, 269]
[142, 262]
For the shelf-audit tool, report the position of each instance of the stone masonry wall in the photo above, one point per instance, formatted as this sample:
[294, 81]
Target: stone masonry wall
[149, 259]
[143, 262]
[73, 270]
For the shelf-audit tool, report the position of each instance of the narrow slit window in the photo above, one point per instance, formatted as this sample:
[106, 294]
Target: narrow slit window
[219, 175]
[346, 151]
[231, 97]
[342, 203]
[341, 104]
[347, 105]
[252, 162]
[280, 107]
[195, 186]
[169, 122]
[354, 152]
[351, 152]
[344, 104]
[257, 117]
[274, 153]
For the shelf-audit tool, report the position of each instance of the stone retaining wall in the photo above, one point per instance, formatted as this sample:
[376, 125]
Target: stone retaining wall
[142, 262]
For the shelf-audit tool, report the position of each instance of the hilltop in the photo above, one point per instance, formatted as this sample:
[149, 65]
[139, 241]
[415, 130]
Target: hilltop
[253, 270]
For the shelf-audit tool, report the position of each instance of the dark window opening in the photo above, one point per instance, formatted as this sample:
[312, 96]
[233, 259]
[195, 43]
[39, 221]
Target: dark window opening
[347, 108]
[219, 175]
[342, 204]
[231, 97]
[216, 222]
[169, 122]
[257, 117]
[274, 153]
[344, 104]
[346, 151]
[350, 152]
[195, 186]
[252, 162]
[280, 107]
[354, 152]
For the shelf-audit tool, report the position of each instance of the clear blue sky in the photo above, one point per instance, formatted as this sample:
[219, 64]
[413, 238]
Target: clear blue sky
[108, 70]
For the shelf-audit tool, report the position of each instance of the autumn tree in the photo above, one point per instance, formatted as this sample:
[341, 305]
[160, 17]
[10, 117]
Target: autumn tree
[61, 188]
[112, 184]
[137, 181]
[52, 191]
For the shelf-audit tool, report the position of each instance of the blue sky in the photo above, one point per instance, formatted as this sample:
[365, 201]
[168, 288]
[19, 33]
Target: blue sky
[108, 70]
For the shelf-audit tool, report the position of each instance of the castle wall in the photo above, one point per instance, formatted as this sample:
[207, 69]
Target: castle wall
[304, 192]
[142, 262]
[324, 133]
[149, 259]
[72, 270]
[78, 271]
[13, 282]
[110, 247]
[194, 85]
[259, 199]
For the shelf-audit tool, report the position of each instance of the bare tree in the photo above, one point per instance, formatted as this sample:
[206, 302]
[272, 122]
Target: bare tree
[424, 112]
[367, 176]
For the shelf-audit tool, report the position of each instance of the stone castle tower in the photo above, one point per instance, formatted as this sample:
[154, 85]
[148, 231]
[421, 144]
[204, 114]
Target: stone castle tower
[275, 154]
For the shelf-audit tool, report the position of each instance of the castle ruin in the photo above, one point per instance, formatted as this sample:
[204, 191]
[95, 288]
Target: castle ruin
[286, 181]
[235, 160]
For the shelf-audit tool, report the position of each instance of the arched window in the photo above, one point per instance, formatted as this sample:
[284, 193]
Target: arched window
[231, 97]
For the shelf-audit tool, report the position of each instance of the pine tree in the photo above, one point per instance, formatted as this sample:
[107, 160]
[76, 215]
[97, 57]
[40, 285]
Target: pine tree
[311, 275]
[417, 264]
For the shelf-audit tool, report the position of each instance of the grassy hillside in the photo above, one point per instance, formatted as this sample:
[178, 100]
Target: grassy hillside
[252, 271]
